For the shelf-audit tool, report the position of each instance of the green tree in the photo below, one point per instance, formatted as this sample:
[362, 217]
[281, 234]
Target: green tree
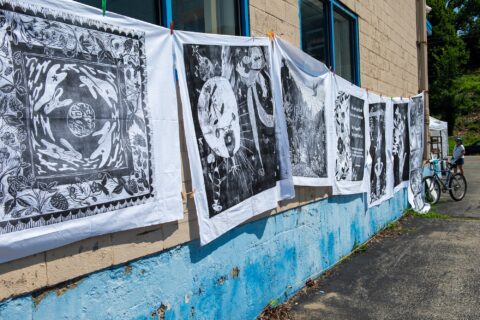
[447, 57]
[467, 23]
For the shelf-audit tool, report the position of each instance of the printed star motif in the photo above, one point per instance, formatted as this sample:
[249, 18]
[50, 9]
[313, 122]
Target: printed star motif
[55, 78]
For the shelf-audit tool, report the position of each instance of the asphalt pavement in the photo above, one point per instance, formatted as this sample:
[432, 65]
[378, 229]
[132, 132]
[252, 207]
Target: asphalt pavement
[470, 205]
[420, 268]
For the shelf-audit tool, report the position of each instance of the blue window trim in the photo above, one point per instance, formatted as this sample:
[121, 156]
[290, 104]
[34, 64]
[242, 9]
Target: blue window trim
[167, 15]
[245, 17]
[356, 51]
[166, 12]
[331, 6]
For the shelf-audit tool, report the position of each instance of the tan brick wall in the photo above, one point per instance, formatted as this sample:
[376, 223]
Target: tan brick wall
[387, 39]
[388, 60]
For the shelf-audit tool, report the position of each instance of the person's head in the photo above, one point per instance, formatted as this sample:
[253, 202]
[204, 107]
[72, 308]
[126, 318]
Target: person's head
[458, 141]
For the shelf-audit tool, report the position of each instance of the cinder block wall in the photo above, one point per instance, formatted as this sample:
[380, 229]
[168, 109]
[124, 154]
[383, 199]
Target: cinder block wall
[388, 61]
[387, 36]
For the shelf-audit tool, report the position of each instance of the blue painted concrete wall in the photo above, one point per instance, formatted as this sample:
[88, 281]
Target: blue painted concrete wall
[232, 278]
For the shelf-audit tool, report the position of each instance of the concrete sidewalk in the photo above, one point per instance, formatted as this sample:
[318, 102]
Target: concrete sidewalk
[424, 268]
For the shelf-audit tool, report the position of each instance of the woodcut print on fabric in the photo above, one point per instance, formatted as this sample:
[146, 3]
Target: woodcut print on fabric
[74, 135]
[378, 173]
[416, 152]
[304, 105]
[230, 93]
[401, 143]
[350, 130]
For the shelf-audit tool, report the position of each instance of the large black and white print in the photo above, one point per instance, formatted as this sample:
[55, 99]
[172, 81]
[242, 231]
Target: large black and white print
[416, 123]
[378, 172]
[230, 92]
[416, 132]
[74, 135]
[350, 132]
[401, 143]
[304, 105]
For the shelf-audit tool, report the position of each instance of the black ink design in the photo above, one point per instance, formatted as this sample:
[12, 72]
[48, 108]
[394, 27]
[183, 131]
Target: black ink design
[416, 188]
[378, 153]
[416, 133]
[416, 152]
[232, 107]
[401, 143]
[75, 136]
[350, 130]
[304, 105]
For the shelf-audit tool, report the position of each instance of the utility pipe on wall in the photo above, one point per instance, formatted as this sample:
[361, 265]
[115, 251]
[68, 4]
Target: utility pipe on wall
[422, 57]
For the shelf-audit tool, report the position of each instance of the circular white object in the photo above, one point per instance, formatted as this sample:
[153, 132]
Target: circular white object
[218, 117]
[81, 119]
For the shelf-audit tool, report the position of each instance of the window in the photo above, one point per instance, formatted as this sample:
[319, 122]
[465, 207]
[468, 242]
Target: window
[344, 42]
[329, 33]
[146, 10]
[314, 29]
[211, 16]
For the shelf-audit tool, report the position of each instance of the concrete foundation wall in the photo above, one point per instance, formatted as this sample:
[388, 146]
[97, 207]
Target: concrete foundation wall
[232, 278]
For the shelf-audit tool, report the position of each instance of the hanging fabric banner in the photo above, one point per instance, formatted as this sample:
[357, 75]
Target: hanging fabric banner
[401, 143]
[351, 137]
[233, 139]
[380, 150]
[89, 132]
[416, 195]
[306, 90]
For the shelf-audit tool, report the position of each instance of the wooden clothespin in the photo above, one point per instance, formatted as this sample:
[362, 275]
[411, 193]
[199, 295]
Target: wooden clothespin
[171, 27]
[186, 195]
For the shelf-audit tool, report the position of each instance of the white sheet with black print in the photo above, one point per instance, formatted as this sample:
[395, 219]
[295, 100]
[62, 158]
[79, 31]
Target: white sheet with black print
[350, 137]
[401, 143]
[233, 138]
[306, 92]
[89, 126]
[379, 162]
[416, 122]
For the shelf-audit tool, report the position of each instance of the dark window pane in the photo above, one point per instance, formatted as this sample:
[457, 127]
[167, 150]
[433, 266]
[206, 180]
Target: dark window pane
[344, 50]
[146, 10]
[314, 31]
[211, 16]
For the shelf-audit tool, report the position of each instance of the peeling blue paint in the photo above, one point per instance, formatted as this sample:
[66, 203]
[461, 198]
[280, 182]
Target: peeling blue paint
[272, 259]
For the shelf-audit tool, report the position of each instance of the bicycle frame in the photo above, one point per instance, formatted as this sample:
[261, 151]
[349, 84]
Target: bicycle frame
[436, 172]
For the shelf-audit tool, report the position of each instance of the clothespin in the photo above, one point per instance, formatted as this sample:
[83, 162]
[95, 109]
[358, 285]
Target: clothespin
[271, 35]
[171, 27]
[104, 7]
[186, 195]
[401, 98]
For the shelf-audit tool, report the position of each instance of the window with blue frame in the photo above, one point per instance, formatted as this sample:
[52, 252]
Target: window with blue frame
[329, 33]
[314, 29]
[146, 10]
[210, 16]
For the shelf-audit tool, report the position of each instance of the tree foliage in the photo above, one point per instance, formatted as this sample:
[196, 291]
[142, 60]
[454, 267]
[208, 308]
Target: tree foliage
[453, 58]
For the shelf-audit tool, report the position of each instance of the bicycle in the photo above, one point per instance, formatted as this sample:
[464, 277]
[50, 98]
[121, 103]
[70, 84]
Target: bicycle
[434, 185]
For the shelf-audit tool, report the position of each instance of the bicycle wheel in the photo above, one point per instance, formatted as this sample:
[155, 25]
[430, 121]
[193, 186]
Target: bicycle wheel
[457, 187]
[432, 190]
